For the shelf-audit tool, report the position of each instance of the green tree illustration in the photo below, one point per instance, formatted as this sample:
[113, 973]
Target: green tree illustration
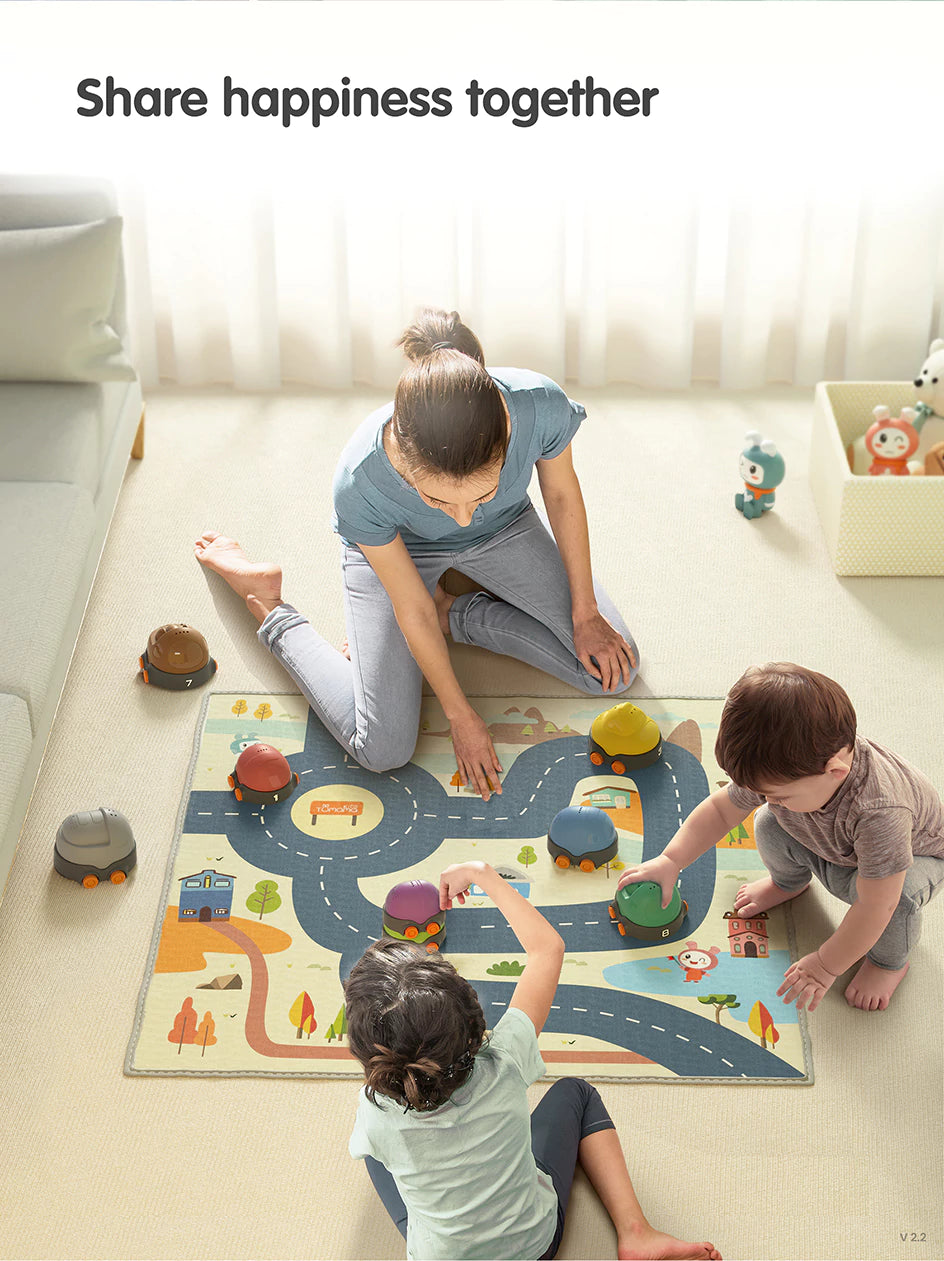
[527, 856]
[265, 898]
[719, 1002]
[338, 1026]
[507, 967]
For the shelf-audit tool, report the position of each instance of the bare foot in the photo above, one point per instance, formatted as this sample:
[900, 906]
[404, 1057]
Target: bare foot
[872, 987]
[644, 1242]
[761, 895]
[258, 583]
[444, 602]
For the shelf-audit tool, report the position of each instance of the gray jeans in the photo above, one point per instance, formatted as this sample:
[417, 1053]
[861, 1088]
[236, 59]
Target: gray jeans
[371, 703]
[791, 865]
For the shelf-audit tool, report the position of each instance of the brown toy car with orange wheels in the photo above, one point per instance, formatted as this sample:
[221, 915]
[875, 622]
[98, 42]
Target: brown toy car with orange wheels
[176, 658]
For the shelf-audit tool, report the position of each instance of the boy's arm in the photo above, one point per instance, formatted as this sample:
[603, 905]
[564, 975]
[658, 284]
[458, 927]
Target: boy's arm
[864, 922]
[543, 945]
[711, 820]
[807, 980]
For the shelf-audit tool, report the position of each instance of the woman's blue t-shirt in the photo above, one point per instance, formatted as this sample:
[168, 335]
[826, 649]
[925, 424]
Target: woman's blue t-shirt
[373, 503]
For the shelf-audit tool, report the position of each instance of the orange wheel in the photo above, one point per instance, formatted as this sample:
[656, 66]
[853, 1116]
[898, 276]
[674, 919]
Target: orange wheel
[612, 911]
[587, 864]
[90, 881]
[596, 759]
[412, 932]
[239, 793]
[432, 945]
[230, 781]
[433, 927]
[140, 663]
[295, 773]
[622, 928]
[618, 768]
[117, 877]
[562, 861]
[145, 676]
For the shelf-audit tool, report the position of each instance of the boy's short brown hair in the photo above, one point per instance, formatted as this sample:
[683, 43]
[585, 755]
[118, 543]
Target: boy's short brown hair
[782, 722]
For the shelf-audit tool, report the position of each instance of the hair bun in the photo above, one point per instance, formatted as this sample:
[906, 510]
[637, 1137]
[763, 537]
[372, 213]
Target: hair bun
[435, 329]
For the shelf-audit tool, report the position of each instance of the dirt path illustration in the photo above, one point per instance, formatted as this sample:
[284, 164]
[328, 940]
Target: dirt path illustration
[256, 1035]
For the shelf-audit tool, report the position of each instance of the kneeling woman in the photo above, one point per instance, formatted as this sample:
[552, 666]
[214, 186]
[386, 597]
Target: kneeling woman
[438, 480]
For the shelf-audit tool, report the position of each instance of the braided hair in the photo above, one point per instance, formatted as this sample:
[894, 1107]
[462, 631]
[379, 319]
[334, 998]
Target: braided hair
[414, 1023]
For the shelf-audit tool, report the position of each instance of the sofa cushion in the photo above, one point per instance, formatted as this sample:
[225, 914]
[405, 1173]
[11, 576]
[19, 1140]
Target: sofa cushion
[16, 737]
[57, 432]
[57, 288]
[45, 531]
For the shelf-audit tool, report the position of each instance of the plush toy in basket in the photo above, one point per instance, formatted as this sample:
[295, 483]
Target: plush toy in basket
[900, 445]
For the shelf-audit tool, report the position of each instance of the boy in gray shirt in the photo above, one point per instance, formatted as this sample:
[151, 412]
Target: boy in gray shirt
[832, 804]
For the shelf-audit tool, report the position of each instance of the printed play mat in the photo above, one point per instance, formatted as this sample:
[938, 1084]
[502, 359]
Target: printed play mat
[267, 906]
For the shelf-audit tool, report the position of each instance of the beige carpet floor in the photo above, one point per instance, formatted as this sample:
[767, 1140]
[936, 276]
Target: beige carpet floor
[97, 1165]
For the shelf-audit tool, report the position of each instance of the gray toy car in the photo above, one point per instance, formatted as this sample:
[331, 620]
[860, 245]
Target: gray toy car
[95, 845]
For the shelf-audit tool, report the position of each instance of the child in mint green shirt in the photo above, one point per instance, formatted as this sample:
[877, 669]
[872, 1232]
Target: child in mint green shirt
[462, 1166]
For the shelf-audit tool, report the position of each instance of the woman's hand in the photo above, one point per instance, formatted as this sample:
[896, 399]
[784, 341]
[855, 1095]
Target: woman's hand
[475, 754]
[456, 879]
[595, 638]
[664, 871]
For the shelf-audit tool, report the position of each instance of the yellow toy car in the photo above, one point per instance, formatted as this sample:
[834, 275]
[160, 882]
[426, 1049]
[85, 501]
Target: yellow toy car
[624, 737]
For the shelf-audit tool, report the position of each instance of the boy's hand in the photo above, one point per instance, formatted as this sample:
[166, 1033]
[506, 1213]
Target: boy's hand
[456, 879]
[663, 870]
[806, 981]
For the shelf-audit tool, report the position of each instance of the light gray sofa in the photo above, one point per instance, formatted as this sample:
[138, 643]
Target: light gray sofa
[64, 447]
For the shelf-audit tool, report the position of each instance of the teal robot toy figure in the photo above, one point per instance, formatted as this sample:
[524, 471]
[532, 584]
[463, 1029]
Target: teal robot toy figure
[762, 469]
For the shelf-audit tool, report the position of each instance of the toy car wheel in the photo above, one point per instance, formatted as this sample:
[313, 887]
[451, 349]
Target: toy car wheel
[432, 927]
[431, 946]
[239, 793]
[295, 776]
[145, 676]
[586, 864]
[90, 881]
[622, 928]
[618, 768]
[412, 932]
[230, 781]
[562, 861]
[140, 663]
[596, 759]
[117, 877]
[612, 910]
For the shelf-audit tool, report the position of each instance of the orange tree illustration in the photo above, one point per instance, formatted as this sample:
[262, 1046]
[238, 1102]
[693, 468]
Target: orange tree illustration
[719, 1002]
[263, 712]
[302, 1014]
[240, 708]
[185, 1025]
[204, 1033]
[265, 898]
[761, 1023]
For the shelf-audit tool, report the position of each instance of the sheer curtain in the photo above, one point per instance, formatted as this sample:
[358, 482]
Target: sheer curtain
[259, 283]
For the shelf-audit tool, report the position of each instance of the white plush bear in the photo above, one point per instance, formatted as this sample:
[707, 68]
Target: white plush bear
[929, 383]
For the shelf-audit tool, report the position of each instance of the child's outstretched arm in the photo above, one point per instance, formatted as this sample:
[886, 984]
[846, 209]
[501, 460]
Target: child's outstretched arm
[711, 820]
[543, 945]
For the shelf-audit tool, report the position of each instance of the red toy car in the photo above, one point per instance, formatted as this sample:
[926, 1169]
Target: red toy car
[262, 775]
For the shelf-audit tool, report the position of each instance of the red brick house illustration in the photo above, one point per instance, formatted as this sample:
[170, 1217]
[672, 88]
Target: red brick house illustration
[747, 938]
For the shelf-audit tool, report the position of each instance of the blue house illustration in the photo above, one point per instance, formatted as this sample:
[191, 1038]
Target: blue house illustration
[205, 897]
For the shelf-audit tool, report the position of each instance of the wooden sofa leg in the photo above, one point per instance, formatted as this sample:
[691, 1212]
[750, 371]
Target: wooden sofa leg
[137, 448]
